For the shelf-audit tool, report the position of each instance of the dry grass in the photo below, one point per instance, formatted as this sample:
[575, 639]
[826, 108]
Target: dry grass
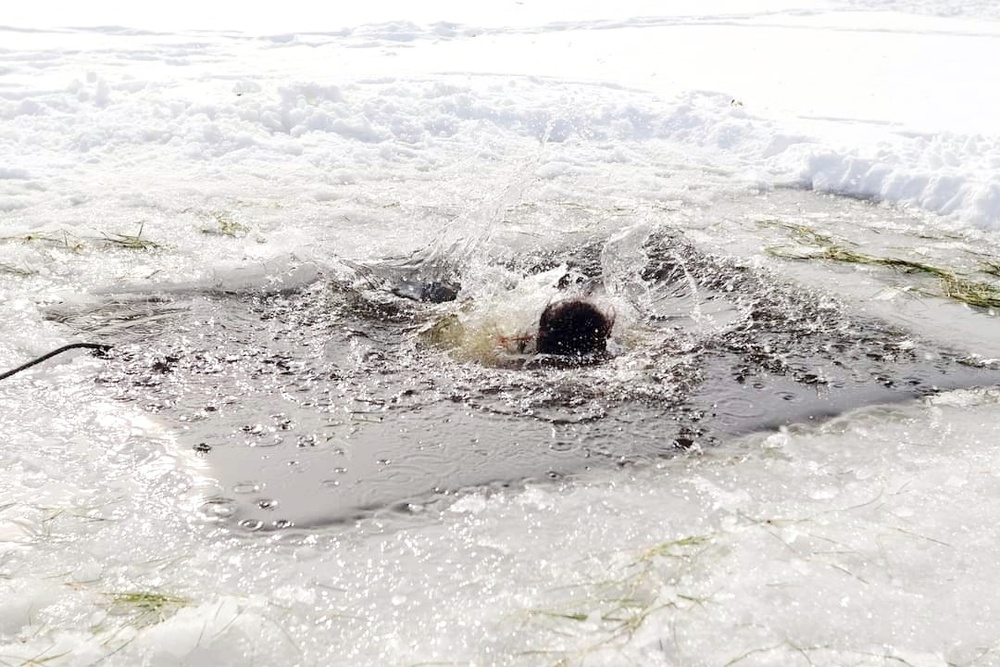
[951, 284]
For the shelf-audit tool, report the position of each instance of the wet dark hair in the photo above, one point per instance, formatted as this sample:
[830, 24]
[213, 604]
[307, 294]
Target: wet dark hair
[573, 327]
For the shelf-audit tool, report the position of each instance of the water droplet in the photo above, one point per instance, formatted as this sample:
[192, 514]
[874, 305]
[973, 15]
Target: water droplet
[251, 524]
[247, 487]
[738, 407]
[267, 504]
[273, 441]
[218, 508]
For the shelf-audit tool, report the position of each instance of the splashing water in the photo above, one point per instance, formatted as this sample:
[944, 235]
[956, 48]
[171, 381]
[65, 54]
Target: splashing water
[322, 396]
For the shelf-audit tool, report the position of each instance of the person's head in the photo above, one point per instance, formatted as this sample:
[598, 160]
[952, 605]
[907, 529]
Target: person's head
[573, 327]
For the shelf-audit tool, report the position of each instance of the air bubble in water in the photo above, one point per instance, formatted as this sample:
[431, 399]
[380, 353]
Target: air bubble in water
[218, 508]
[247, 487]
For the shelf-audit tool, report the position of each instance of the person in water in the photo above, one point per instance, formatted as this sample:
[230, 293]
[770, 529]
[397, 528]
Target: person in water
[574, 328]
[569, 327]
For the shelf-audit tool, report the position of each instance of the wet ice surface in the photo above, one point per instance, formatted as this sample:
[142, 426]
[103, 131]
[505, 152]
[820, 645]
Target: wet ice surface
[770, 536]
[323, 398]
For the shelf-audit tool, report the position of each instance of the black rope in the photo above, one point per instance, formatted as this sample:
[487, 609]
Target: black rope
[100, 348]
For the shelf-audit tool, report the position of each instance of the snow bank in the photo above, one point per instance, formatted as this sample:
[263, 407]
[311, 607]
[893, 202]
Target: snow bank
[223, 111]
[335, 132]
[928, 182]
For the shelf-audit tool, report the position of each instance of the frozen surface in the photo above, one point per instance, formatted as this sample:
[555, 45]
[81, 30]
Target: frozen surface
[253, 148]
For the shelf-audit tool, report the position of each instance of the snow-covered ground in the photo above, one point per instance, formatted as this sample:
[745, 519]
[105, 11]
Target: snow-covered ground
[235, 139]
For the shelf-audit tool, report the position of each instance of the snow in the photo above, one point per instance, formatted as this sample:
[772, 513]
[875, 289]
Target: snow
[868, 540]
[890, 134]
